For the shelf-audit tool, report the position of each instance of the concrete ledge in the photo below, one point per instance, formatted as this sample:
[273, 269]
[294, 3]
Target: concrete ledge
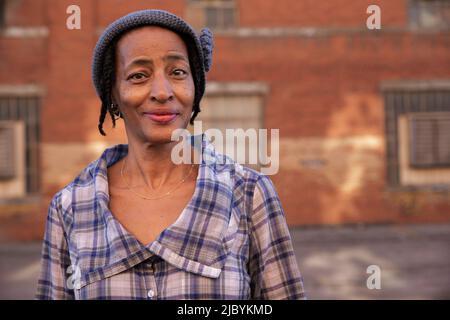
[22, 90]
[415, 85]
[236, 88]
[309, 31]
[24, 32]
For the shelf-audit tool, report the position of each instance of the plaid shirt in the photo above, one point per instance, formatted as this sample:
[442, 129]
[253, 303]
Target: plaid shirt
[230, 242]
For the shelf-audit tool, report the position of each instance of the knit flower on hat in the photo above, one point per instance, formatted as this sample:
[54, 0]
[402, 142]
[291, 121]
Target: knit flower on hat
[207, 43]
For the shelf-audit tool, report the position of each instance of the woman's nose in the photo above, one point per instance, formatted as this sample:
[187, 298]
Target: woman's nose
[161, 88]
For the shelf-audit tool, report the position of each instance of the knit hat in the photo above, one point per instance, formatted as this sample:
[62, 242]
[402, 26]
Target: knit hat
[199, 47]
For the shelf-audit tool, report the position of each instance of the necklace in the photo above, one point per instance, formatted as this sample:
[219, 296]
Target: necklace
[153, 198]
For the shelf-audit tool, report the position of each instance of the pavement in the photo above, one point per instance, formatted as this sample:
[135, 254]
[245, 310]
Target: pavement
[410, 262]
[413, 260]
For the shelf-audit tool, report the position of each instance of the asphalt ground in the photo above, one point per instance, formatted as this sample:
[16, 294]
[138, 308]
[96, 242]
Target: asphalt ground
[411, 262]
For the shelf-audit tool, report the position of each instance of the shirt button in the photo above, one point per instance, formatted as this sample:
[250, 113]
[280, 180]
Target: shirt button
[151, 293]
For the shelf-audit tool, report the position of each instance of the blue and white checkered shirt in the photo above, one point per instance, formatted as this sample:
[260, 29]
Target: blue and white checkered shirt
[230, 242]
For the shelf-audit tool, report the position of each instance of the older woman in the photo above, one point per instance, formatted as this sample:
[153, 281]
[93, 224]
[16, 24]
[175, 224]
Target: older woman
[135, 225]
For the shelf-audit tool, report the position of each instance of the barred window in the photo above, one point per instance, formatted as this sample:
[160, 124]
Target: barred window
[417, 115]
[215, 14]
[430, 14]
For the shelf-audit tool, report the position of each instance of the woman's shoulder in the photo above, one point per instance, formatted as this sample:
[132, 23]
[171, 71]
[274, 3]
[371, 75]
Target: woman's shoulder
[248, 179]
[84, 183]
[84, 179]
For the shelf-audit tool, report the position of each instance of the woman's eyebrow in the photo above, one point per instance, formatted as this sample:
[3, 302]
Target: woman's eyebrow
[147, 61]
[176, 56]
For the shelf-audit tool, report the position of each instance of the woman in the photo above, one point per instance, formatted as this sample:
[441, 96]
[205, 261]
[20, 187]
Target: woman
[135, 225]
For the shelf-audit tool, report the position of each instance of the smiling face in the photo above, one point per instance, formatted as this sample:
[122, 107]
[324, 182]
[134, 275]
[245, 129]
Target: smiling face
[153, 86]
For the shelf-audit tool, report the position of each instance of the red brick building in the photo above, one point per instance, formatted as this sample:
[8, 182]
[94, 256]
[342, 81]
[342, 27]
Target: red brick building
[363, 114]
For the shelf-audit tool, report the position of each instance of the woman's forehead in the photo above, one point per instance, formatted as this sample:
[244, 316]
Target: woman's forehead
[149, 40]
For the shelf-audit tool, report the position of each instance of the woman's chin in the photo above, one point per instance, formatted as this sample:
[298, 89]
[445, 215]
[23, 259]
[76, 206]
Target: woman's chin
[161, 134]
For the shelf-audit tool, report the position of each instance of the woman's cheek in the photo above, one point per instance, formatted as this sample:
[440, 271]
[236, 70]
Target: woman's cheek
[133, 95]
[188, 90]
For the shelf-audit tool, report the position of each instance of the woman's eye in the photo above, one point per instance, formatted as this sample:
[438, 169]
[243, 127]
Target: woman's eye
[179, 72]
[137, 76]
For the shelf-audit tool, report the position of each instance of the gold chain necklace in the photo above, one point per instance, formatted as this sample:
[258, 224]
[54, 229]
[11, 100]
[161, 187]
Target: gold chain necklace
[154, 198]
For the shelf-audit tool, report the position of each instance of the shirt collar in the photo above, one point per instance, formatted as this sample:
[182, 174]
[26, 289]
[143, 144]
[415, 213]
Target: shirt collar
[197, 241]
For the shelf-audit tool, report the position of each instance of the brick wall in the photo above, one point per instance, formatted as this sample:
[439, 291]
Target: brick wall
[323, 71]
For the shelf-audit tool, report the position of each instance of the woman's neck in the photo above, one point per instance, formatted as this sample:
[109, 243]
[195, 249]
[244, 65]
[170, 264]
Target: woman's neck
[152, 165]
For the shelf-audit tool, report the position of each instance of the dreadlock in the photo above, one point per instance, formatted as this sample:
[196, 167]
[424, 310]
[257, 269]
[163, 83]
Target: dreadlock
[107, 81]
[108, 78]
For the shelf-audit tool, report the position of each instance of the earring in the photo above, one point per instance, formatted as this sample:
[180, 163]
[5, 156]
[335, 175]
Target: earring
[115, 110]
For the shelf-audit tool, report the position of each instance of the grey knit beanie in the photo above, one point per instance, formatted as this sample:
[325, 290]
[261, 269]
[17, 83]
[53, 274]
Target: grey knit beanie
[199, 47]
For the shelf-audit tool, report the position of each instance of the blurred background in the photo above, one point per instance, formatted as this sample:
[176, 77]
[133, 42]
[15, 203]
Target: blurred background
[364, 120]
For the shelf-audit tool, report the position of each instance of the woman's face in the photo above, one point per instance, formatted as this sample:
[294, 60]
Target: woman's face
[154, 87]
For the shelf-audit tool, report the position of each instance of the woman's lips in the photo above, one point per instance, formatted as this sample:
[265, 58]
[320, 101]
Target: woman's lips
[161, 118]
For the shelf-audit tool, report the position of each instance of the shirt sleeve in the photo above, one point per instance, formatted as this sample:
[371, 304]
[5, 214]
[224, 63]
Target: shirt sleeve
[55, 260]
[272, 264]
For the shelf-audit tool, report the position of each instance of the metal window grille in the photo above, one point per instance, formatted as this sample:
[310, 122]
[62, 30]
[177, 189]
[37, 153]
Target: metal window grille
[407, 99]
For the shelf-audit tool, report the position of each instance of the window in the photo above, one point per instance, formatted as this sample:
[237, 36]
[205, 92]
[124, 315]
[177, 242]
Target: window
[12, 159]
[2, 13]
[430, 139]
[430, 14]
[417, 127]
[215, 14]
[234, 106]
[7, 141]
[19, 138]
